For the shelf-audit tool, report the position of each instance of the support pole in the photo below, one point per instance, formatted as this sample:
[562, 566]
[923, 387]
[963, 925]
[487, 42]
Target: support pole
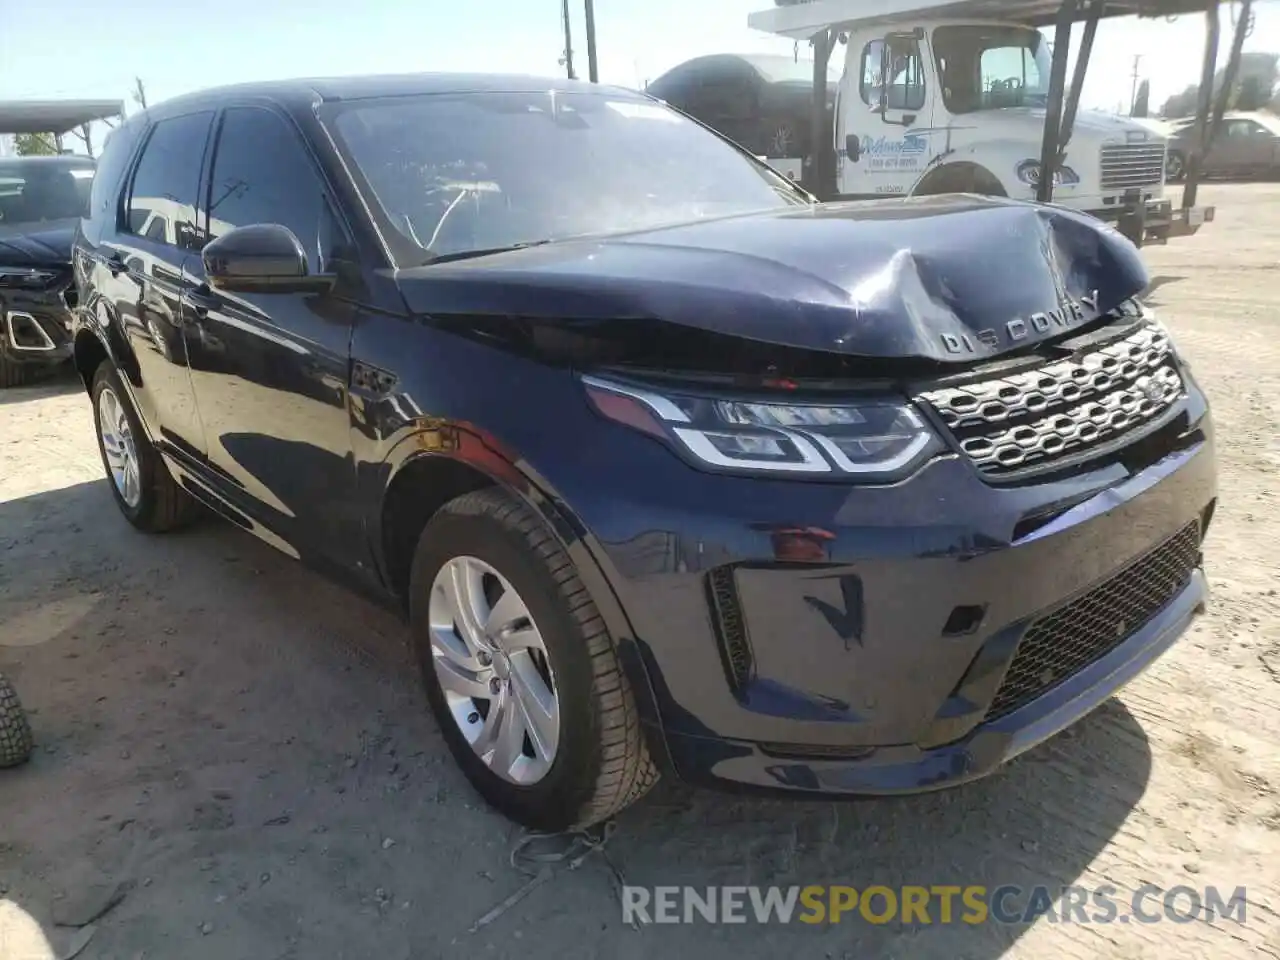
[1072, 106]
[593, 71]
[820, 178]
[1203, 119]
[568, 40]
[1229, 74]
[1053, 111]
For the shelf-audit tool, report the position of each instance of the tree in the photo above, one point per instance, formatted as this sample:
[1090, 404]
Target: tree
[1252, 95]
[34, 145]
[1142, 102]
[1254, 87]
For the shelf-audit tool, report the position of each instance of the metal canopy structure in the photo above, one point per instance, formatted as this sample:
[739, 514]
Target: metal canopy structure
[801, 20]
[821, 22]
[54, 116]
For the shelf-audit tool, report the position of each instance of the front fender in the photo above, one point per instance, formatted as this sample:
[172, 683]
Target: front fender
[466, 444]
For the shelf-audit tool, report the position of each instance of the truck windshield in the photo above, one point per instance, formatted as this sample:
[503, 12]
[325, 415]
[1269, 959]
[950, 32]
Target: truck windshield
[458, 173]
[992, 67]
[37, 190]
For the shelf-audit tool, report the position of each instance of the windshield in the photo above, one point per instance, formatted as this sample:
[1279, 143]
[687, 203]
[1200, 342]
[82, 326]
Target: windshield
[479, 171]
[37, 190]
[988, 68]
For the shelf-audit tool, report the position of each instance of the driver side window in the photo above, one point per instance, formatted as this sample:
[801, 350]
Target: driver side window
[896, 67]
[262, 174]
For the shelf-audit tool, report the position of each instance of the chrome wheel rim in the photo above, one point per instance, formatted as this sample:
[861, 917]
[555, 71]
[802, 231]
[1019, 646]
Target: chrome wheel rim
[118, 447]
[492, 665]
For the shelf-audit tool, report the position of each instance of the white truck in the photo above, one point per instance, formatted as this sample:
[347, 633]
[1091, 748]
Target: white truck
[935, 99]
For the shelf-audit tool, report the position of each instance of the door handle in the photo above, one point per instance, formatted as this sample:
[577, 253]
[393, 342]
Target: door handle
[115, 263]
[201, 299]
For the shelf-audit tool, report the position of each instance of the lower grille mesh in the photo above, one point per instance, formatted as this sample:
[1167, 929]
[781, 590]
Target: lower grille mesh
[1060, 645]
[730, 627]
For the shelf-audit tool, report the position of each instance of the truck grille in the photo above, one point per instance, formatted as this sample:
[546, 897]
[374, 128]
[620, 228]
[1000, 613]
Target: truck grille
[1034, 418]
[1126, 165]
[1060, 645]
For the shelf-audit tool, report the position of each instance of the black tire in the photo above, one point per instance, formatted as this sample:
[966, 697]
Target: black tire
[601, 764]
[1175, 167]
[163, 505]
[16, 742]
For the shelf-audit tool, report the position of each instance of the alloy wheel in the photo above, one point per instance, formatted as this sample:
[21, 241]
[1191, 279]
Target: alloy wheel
[118, 445]
[492, 665]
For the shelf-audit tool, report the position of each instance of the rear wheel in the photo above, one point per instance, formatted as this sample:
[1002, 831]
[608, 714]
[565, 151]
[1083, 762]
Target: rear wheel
[15, 731]
[519, 670]
[141, 484]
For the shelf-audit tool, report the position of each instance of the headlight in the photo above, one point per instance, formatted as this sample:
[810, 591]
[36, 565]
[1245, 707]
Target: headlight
[877, 439]
[1029, 172]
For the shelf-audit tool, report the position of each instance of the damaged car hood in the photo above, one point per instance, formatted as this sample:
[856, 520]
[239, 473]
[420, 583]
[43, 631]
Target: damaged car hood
[43, 244]
[952, 278]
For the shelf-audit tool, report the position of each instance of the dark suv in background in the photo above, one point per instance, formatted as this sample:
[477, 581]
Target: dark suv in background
[41, 202]
[670, 467]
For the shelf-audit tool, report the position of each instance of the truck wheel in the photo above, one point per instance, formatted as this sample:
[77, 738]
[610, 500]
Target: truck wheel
[1175, 167]
[15, 732]
[781, 139]
[519, 669]
[144, 490]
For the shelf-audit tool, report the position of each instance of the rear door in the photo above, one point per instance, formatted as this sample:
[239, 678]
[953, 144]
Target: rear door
[143, 261]
[271, 369]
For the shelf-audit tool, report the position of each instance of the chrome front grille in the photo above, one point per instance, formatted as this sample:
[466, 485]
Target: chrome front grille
[1126, 165]
[1063, 408]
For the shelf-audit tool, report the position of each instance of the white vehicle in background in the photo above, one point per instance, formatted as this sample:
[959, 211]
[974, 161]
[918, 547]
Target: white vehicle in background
[930, 104]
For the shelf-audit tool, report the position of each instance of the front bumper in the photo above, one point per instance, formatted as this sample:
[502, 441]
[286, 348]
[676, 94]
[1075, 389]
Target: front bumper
[1154, 221]
[35, 326]
[876, 625]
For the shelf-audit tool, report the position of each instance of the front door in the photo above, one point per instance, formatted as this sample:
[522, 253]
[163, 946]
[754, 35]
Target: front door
[143, 277]
[271, 369]
[881, 128]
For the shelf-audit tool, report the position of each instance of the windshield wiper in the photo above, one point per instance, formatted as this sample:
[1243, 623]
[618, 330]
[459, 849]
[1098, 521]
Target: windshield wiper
[483, 252]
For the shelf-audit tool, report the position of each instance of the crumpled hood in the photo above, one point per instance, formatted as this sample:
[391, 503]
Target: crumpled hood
[953, 278]
[37, 244]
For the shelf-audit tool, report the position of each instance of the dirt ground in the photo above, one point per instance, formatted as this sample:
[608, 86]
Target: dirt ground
[235, 760]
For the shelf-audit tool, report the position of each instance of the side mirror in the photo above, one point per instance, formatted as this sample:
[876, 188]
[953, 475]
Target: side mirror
[853, 147]
[260, 258]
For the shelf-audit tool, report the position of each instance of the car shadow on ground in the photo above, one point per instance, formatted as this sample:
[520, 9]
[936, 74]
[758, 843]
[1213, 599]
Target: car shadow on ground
[243, 746]
[57, 383]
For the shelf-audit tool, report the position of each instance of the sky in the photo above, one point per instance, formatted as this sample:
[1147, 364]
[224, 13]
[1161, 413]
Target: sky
[94, 49]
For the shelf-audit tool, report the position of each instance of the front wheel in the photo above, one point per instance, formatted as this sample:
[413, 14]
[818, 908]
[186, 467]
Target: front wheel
[519, 669]
[15, 732]
[1175, 167]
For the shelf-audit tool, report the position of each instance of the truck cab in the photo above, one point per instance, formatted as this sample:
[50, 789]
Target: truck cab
[942, 105]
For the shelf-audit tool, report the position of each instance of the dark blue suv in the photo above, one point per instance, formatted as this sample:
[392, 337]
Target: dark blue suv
[671, 468]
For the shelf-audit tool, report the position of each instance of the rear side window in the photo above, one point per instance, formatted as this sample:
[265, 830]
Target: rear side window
[116, 153]
[263, 174]
[162, 201]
